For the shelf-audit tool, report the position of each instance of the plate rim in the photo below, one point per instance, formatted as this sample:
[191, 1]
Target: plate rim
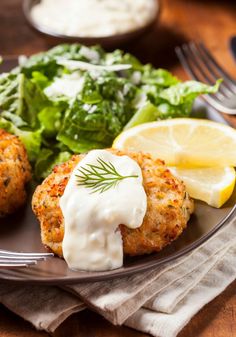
[119, 273]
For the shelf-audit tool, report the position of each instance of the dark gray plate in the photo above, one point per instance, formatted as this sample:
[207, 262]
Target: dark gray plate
[20, 232]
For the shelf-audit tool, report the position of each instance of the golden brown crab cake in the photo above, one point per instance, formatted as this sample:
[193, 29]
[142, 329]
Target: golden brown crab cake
[15, 172]
[168, 206]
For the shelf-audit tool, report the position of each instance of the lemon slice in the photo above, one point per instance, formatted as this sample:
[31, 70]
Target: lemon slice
[212, 185]
[184, 142]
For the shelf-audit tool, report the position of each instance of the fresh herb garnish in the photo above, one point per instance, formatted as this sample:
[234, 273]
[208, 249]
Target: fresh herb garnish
[101, 177]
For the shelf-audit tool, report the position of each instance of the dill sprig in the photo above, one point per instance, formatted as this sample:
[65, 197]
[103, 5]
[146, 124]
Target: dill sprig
[100, 177]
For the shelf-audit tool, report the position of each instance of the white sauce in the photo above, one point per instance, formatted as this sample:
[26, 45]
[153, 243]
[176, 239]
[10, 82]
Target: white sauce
[92, 240]
[93, 18]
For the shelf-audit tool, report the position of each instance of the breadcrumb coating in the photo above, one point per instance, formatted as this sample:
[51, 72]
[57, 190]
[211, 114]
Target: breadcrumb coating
[15, 172]
[168, 206]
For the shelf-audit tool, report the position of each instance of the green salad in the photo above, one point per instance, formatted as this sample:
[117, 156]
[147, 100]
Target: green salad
[72, 99]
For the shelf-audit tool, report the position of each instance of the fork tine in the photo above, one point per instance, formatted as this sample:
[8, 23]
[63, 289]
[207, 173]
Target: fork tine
[189, 68]
[185, 63]
[13, 261]
[10, 259]
[214, 99]
[202, 70]
[25, 258]
[192, 56]
[218, 106]
[13, 265]
[221, 71]
[228, 87]
[28, 255]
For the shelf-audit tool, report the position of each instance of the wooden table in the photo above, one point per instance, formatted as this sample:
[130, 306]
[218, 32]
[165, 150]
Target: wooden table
[211, 21]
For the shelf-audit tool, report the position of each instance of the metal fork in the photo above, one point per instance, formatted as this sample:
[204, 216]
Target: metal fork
[202, 66]
[18, 260]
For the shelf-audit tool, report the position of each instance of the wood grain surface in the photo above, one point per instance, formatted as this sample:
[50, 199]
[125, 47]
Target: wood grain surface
[212, 22]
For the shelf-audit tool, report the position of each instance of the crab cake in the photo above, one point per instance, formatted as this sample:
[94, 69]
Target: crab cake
[168, 206]
[15, 172]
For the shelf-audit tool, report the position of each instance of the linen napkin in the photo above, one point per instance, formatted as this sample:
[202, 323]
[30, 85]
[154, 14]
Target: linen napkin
[46, 307]
[117, 299]
[160, 301]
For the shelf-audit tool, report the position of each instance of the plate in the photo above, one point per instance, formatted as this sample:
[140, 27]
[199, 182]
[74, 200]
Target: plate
[21, 232]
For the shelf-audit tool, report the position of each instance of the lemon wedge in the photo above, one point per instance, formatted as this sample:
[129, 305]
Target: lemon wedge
[212, 185]
[186, 142]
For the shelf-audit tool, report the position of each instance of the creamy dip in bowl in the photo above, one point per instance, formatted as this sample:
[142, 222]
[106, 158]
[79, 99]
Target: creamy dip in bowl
[92, 21]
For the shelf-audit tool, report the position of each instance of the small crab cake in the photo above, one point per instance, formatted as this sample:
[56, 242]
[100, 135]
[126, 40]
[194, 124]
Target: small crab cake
[15, 172]
[168, 207]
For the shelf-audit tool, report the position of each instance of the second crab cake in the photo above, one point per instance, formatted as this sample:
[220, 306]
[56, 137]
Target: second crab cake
[15, 172]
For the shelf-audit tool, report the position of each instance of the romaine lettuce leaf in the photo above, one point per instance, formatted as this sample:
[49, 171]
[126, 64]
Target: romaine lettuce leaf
[34, 100]
[46, 62]
[31, 139]
[15, 119]
[90, 92]
[147, 113]
[52, 127]
[50, 119]
[11, 92]
[19, 95]
[179, 93]
[89, 126]
[47, 160]
[158, 77]
[40, 80]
